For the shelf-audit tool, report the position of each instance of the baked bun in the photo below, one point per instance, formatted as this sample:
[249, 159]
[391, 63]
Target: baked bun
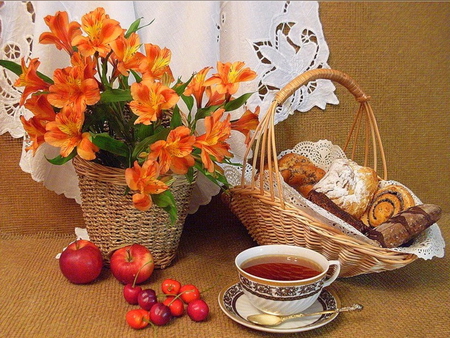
[386, 203]
[303, 177]
[299, 172]
[291, 159]
[349, 185]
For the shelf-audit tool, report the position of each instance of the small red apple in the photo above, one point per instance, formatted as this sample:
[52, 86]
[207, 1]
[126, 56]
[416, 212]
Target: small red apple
[81, 262]
[131, 260]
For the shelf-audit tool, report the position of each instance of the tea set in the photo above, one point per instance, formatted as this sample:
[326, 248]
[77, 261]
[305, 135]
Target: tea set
[282, 288]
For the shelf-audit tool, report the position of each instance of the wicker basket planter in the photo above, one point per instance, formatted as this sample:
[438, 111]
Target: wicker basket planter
[112, 221]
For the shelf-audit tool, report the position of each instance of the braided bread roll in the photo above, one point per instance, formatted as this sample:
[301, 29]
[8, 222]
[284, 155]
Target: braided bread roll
[386, 203]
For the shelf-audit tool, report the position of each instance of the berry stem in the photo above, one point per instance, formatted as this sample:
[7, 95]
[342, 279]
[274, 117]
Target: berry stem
[137, 274]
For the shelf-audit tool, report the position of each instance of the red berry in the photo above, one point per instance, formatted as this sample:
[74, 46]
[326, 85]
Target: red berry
[131, 293]
[147, 298]
[189, 293]
[170, 286]
[137, 318]
[160, 314]
[175, 305]
[197, 310]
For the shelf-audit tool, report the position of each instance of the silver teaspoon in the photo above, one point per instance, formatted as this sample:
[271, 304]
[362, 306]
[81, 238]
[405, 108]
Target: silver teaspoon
[265, 319]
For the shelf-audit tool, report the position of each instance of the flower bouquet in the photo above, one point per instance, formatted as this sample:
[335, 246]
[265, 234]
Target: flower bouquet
[118, 106]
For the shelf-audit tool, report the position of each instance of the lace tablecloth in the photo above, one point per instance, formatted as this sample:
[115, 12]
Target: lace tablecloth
[278, 39]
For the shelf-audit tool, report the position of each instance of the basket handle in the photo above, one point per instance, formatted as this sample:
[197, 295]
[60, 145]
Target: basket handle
[264, 143]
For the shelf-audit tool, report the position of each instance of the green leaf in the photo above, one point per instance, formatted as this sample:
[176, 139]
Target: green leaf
[236, 103]
[166, 201]
[116, 95]
[204, 112]
[106, 142]
[17, 69]
[189, 101]
[134, 27]
[215, 177]
[136, 76]
[176, 120]
[180, 87]
[59, 160]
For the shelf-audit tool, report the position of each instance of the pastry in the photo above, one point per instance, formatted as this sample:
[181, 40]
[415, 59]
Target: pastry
[405, 226]
[299, 172]
[386, 203]
[291, 159]
[324, 202]
[349, 185]
[302, 177]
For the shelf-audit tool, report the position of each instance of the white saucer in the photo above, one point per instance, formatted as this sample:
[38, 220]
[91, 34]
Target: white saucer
[235, 305]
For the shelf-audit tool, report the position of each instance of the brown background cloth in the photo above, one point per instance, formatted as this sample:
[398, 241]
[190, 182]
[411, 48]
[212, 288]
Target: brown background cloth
[399, 53]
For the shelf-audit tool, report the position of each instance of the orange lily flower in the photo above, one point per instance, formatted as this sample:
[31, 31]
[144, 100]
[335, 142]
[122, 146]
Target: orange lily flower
[229, 75]
[86, 63]
[72, 88]
[30, 80]
[40, 107]
[35, 126]
[149, 99]
[215, 98]
[127, 54]
[156, 63]
[248, 122]
[144, 180]
[65, 133]
[213, 142]
[197, 86]
[35, 129]
[100, 30]
[174, 153]
[62, 32]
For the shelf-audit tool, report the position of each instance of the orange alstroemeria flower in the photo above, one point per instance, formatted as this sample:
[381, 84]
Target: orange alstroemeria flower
[72, 88]
[156, 63]
[100, 30]
[65, 133]
[62, 32]
[35, 128]
[248, 122]
[197, 86]
[30, 80]
[229, 75]
[85, 63]
[174, 153]
[150, 99]
[144, 180]
[40, 107]
[214, 97]
[213, 142]
[126, 52]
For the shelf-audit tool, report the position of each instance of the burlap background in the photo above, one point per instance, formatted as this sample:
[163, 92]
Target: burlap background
[400, 55]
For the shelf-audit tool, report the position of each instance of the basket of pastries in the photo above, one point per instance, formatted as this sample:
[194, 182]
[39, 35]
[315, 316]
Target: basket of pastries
[316, 197]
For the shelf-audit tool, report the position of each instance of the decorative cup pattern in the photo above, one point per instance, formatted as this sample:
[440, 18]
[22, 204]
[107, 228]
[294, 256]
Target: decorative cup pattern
[281, 293]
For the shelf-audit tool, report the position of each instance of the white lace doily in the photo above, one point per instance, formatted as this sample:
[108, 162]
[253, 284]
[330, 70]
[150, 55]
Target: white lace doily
[278, 39]
[427, 245]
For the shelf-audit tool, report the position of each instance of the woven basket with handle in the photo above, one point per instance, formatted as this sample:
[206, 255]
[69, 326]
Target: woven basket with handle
[112, 221]
[270, 219]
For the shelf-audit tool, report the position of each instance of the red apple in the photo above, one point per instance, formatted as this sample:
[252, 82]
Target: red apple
[132, 260]
[81, 262]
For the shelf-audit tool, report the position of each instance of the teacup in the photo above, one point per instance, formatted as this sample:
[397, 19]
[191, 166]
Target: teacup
[283, 279]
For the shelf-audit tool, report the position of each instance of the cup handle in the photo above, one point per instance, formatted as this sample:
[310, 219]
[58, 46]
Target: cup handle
[337, 269]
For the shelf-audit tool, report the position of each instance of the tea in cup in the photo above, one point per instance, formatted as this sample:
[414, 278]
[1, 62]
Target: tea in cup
[283, 279]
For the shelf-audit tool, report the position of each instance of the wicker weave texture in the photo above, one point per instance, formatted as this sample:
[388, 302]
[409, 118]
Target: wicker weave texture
[112, 221]
[269, 219]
